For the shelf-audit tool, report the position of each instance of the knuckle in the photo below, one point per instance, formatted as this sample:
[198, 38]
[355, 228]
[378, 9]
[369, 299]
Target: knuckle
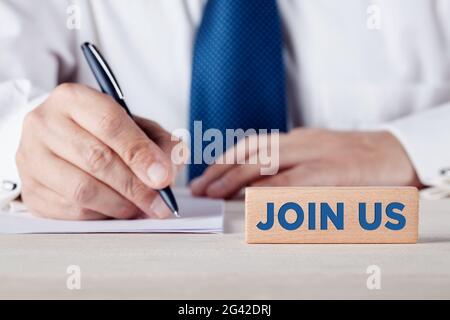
[33, 119]
[137, 151]
[84, 192]
[29, 120]
[111, 123]
[99, 158]
[64, 96]
[65, 90]
[136, 189]
[76, 213]
[126, 211]
[233, 176]
[81, 213]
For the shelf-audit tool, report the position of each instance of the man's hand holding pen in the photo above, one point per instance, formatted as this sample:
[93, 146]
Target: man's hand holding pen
[81, 157]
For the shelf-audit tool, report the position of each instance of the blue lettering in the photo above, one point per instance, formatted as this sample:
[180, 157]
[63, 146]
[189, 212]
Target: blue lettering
[270, 218]
[392, 214]
[326, 213]
[312, 216]
[363, 217]
[282, 216]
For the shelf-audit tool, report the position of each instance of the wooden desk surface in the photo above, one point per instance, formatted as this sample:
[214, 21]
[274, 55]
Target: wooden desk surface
[224, 267]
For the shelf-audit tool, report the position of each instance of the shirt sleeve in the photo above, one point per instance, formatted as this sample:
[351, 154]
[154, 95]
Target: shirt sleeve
[36, 53]
[426, 138]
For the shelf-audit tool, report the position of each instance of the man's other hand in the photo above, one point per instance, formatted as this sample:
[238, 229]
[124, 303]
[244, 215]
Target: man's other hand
[314, 157]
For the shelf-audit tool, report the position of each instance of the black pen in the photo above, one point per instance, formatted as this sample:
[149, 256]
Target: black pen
[110, 86]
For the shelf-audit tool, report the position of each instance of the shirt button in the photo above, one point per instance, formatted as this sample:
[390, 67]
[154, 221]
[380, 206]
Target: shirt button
[8, 186]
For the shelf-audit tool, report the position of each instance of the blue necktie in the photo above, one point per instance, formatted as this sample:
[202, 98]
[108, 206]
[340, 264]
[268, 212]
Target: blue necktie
[238, 77]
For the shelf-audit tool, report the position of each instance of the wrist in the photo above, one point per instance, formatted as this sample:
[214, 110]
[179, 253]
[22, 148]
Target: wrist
[396, 160]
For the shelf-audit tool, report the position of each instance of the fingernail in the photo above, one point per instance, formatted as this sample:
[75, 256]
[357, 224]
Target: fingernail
[160, 208]
[157, 173]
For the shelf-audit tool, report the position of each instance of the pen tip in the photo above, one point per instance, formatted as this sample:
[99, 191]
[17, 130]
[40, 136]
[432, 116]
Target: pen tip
[176, 214]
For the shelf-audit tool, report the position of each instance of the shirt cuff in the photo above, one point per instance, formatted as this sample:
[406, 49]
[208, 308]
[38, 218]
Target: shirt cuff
[15, 103]
[425, 137]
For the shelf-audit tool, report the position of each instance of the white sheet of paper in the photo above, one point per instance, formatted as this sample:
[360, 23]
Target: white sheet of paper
[198, 216]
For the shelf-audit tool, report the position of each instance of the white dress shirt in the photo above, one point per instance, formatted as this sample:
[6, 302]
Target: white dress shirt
[352, 64]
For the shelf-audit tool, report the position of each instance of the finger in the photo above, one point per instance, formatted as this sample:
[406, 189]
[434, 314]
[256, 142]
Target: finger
[267, 158]
[156, 133]
[45, 203]
[169, 144]
[306, 175]
[229, 160]
[200, 185]
[241, 176]
[233, 181]
[104, 118]
[75, 145]
[77, 187]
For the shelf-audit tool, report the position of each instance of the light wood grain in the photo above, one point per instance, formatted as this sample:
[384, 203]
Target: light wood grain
[353, 232]
[213, 266]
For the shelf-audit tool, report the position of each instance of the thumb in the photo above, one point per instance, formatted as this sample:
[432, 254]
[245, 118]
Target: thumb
[175, 148]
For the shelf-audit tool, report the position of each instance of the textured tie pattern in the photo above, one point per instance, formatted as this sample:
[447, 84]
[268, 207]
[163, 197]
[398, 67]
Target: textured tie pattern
[238, 77]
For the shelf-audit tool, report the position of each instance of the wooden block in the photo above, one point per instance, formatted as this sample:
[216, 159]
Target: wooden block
[332, 215]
